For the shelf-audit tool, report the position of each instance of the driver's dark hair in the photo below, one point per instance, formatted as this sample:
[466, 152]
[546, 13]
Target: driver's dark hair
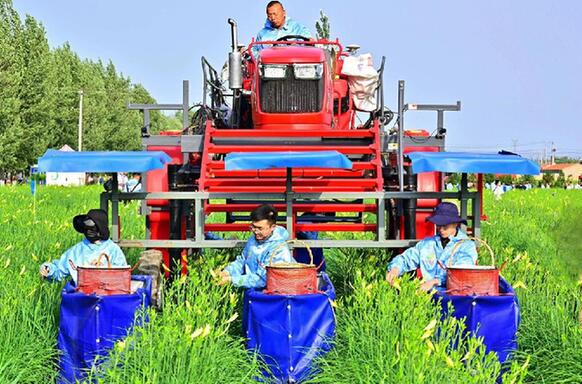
[274, 2]
[264, 212]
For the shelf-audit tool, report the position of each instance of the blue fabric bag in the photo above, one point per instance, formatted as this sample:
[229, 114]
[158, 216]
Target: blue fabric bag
[494, 318]
[90, 325]
[290, 331]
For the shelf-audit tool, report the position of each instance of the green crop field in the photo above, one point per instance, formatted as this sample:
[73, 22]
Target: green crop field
[384, 335]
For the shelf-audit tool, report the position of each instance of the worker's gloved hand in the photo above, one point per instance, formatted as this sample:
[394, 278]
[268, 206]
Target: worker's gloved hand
[428, 285]
[44, 270]
[392, 274]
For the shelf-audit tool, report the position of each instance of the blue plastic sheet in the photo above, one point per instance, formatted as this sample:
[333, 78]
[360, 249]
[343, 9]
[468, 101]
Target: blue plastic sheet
[104, 161]
[290, 331]
[90, 325]
[264, 160]
[472, 163]
[494, 318]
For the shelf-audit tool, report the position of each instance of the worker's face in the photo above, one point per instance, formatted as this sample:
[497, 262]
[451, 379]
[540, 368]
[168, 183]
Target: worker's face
[91, 231]
[276, 15]
[446, 231]
[262, 229]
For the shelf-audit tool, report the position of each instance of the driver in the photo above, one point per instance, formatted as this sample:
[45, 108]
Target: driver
[278, 25]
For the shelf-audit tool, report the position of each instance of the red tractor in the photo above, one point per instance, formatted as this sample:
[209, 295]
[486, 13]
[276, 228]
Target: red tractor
[292, 96]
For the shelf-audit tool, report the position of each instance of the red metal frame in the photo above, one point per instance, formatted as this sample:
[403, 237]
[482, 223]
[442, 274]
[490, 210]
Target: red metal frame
[301, 207]
[366, 175]
[299, 227]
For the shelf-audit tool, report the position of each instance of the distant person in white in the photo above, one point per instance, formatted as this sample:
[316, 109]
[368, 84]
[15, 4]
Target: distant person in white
[498, 190]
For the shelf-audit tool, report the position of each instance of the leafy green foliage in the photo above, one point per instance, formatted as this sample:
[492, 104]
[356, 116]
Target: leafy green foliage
[388, 335]
[322, 26]
[40, 91]
[540, 234]
[383, 334]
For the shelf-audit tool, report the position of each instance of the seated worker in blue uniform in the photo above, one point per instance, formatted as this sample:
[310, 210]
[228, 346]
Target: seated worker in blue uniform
[248, 270]
[278, 25]
[451, 246]
[94, 226]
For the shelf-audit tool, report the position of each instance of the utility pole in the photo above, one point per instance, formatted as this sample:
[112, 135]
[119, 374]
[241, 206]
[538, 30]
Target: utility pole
[80, 144]
[514, 145]
[553, 154]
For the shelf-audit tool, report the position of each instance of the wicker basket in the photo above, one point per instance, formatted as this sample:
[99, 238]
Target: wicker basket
[473, 280]
[291, 278]
[103, 281]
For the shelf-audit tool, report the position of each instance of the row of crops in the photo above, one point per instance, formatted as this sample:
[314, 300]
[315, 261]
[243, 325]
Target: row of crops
[384, 335]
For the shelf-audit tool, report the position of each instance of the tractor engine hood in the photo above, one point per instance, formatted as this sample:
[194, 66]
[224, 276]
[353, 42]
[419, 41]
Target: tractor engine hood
[287, 55]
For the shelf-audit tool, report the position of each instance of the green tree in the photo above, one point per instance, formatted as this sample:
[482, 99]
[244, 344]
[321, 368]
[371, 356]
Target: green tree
[67, 69]
[454, 178]
[322, 26]
[40, 93]
[35, 96]
[525, 179]
[560, 181]
[489, 178]
[11, 73]
[565, 160]
[548, 178]
[506, 179]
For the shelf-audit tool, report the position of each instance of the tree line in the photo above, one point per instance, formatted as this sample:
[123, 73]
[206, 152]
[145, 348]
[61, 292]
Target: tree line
[39, 97]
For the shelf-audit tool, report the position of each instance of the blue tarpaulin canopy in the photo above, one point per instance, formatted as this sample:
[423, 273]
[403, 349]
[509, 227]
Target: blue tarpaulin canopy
[264, 160]
[472, 163]
[103, 161]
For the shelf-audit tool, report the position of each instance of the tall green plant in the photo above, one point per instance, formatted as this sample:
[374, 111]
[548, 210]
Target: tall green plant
[322, 26]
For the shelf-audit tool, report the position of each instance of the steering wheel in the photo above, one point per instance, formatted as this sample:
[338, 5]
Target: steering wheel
[289, 37]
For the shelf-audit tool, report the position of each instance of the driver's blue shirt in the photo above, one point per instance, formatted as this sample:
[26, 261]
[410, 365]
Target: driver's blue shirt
[269, 33]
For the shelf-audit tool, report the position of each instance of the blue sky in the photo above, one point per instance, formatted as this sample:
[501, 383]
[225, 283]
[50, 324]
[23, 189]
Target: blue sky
[515, 65]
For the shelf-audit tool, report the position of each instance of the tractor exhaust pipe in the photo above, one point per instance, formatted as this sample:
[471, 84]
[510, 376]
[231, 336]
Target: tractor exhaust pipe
[233, 34]
[234, 59]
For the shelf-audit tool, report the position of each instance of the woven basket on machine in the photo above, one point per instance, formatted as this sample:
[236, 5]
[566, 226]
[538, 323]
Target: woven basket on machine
[472, 280]
[291, 278]
[103, 281]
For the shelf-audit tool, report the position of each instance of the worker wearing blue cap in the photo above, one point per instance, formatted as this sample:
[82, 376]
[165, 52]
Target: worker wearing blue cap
[451, 246]
[94, 226]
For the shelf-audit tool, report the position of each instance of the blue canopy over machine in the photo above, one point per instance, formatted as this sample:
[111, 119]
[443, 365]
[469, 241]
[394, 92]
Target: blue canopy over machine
[289, 159]
[102, 161]
[465, 162]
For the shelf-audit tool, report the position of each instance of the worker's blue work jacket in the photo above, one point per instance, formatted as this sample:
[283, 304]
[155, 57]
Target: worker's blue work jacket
[425, 253]
[248, 270]
[268, 33]
[84, 253]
